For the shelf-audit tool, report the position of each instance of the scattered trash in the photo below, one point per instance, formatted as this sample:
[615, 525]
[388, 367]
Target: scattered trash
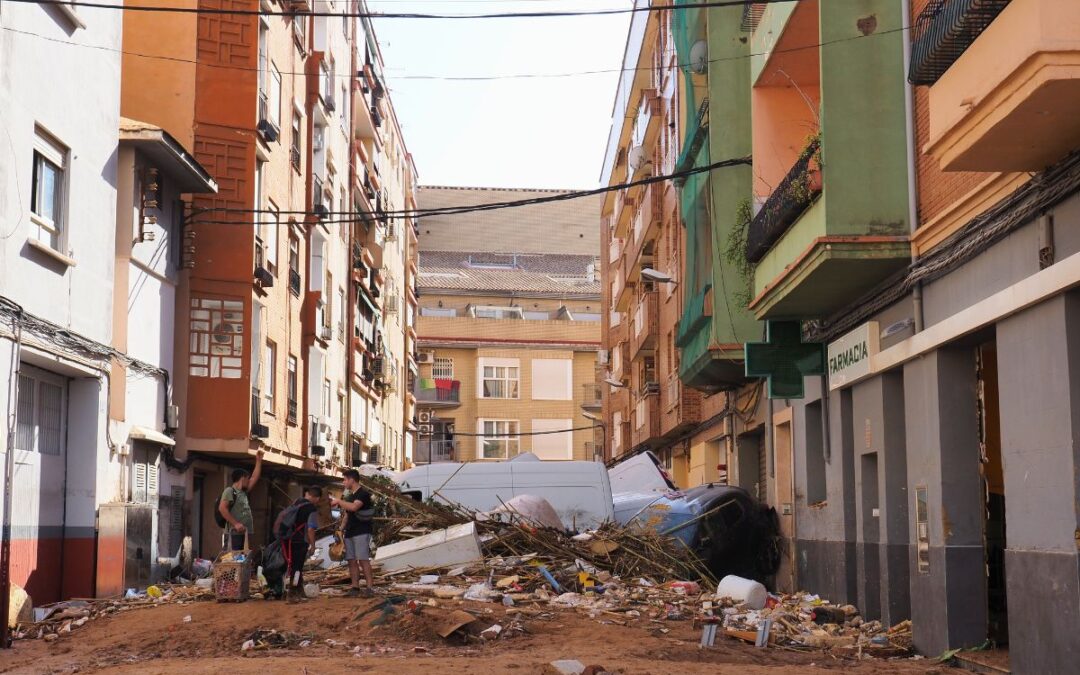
[451, 546]
[187, 619]
[153, 592]
[491, 632]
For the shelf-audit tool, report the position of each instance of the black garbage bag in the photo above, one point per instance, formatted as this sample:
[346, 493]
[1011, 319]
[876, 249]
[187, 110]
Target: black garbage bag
[274, 567]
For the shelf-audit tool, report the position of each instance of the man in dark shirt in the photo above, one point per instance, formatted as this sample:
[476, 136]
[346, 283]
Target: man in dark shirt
[357, 505]
[299, 539]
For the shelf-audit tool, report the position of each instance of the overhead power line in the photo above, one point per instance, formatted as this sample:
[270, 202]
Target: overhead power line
[540, 14]
[469, 208]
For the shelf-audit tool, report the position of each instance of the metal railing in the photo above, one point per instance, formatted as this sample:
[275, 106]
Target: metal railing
[783, 207]
[294, 282]
[442, 395]
[429, 451]
[591, 395]
[943, 31]
[292, 411]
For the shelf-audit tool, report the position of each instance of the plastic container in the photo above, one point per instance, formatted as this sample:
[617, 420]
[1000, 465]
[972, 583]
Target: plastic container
[743, 591]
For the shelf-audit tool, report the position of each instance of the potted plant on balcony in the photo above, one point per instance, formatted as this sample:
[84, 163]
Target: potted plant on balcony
[814, 183]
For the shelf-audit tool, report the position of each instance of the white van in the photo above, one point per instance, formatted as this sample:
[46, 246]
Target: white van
[578, 491]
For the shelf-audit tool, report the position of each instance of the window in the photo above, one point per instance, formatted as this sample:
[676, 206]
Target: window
[40, 411]
[294, 265]
[499, 378]
[447, 312]
[489, 312]
[340, 318]
[294, 148]
[275, 96]
[499, 440]
[443, 368]
[269, 379]
[292, 385]
[328, 399]
[549, 445]
[552, 379]
[299, 25]
[49, 190]
[264, 32]
[271, 238]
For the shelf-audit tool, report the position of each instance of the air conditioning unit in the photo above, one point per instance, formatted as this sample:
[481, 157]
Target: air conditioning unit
[390, 305]
[326, 332]
[652, 387]
[263, 276]
[378, 366]
[423, 416]
[391, 231]
[425, 357]
[260, 431]
[268, 131]
[373, 454]
[390, 382]
[320, 210]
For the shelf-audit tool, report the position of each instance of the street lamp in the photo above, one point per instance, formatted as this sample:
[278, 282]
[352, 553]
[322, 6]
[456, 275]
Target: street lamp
[649, 274]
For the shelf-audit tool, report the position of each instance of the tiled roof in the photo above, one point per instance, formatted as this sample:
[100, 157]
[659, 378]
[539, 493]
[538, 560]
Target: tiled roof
[569, 227]
[523, 272]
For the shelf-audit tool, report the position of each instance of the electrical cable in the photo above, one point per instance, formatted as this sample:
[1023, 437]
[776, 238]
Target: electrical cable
[406, 15]
[457, 210]
[457, 78]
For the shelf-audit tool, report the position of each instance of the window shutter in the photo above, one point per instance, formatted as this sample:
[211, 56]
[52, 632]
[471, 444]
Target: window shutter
[24, 435]
[138, 488]
[50, 420]
[151, 483]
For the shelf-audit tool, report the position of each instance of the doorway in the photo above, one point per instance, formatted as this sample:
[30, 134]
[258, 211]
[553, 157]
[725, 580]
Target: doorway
[993, 492]
[198, 486]
[784, 498]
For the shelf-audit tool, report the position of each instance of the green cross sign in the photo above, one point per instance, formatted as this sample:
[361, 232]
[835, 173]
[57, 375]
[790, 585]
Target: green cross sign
[784, 359]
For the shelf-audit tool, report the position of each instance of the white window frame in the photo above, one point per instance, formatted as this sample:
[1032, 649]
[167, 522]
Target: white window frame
[51, 232]
[499, 429]
[30, 410]
[271, 238]
[269, 377]
[328, 399]
[442, 368]
[504, 371]
[274, 96]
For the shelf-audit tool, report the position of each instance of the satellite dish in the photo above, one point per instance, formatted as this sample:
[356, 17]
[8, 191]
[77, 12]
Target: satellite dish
[699, 57]
[637, 158]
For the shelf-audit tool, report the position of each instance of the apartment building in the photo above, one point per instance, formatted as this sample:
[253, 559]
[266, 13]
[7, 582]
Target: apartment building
[288, 112]
[674, 345]
[508, 329]
[905, 231]
[87, 297]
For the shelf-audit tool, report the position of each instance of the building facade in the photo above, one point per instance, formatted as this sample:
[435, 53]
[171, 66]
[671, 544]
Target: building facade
[508, 329]
[897, 259]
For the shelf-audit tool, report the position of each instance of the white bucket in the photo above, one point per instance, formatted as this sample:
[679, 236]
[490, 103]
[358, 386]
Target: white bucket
[743, 591]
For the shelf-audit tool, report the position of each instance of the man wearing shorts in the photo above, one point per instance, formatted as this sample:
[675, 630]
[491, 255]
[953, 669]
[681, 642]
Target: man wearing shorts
[359, 510]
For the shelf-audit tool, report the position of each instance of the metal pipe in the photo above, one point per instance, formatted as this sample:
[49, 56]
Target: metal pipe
[912, 171]
[9, 472]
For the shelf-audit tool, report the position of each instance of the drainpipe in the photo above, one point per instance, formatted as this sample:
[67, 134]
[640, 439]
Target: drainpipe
[912, 173]
[9, 473]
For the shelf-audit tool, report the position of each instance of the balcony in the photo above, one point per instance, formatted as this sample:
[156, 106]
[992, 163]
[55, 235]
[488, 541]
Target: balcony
[364, 127]
[646, 228]
[624, 294]
[430, 451]
[1005, 82]
[645, 324]
[591, 396]
[795, 193]
[624, 208]
[437, 393]
[645, 420]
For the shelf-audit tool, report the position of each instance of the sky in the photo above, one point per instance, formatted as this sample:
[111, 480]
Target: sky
[534, 132]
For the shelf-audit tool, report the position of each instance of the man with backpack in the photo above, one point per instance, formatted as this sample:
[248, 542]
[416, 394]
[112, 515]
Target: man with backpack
[359, 514]
[234, 511]
[295, 530]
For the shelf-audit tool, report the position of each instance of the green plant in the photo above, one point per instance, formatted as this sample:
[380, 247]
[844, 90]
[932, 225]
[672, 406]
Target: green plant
[735, 251]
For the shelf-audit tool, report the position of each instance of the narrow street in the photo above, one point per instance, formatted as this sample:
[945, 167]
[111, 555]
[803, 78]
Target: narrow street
[160, 640]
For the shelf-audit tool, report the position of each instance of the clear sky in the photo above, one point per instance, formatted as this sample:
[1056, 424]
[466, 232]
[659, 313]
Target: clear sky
[535, 132]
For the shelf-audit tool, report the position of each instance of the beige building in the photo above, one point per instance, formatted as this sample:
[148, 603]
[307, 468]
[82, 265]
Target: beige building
[509, 328]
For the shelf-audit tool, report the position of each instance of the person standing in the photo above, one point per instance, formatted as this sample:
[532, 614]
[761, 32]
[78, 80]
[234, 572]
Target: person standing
[360, 512]
[295, 526]
[234, 506]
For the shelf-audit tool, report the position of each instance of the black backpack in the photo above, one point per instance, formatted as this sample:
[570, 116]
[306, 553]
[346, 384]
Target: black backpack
[287, 526]
[220, 519]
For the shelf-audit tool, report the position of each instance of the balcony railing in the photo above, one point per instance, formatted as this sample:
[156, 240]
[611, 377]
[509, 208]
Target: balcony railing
[787, 202]
[292, 411]
[445, 393]
[257, 429]
[430, 451]
[591, 395]
[943, 31]
[294, 282]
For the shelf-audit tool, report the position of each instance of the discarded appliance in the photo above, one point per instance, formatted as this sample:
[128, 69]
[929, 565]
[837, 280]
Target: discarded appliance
[453, 546]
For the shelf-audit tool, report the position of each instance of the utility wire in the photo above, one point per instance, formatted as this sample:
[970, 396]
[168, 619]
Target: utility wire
[456, 78]
[404, 15]
[472, 208]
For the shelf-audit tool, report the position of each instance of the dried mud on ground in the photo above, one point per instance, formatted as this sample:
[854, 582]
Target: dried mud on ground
[159, 640]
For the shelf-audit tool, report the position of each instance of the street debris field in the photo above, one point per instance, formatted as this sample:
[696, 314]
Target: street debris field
[501, 594]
